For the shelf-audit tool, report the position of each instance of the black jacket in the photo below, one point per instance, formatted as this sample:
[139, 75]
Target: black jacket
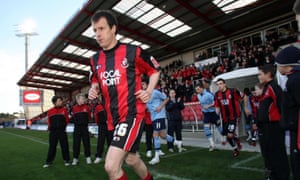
[174, 110]
[291, 101]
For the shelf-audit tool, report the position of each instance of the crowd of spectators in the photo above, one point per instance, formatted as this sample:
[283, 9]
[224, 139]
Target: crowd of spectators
[181, 77]
[243, 54]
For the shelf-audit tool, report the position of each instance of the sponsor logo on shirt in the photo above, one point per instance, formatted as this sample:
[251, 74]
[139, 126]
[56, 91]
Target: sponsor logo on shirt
[110, 78]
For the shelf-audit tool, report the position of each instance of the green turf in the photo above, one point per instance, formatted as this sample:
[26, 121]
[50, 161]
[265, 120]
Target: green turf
[23, 152]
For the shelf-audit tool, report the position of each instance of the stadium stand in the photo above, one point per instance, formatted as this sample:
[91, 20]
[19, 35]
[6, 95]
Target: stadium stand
[241, 38]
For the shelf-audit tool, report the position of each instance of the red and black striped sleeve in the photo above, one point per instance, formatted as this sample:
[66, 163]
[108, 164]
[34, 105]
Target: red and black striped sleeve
[146, 64]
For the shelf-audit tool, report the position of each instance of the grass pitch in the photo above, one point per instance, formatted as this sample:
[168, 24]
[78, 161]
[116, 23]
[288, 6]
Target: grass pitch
[23, 152]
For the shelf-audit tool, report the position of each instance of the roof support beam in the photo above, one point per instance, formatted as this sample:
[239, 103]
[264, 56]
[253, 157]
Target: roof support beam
[67, 70]
[43, 87]
[202, 16]
[80, 44]
[84, 61]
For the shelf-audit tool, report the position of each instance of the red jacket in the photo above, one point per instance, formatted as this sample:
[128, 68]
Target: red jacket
[81, 115]
[57, 118]
[270, 103]
[99, 114]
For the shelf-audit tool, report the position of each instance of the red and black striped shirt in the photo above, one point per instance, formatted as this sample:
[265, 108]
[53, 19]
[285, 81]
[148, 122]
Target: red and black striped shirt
[118, 72]
[228, 102]
[254, 102]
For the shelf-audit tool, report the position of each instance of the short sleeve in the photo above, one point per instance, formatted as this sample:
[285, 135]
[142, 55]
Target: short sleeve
[145, 63]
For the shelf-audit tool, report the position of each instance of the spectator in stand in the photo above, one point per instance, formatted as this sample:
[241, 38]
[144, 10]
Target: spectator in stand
[189, 90]
[181, 91]
[271, 135]
[103, 132]
[58, 119]
[81, 116]
[174, 107]
[148, 126]
[227, 103]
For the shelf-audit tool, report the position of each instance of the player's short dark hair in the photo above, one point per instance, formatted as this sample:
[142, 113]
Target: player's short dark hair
[221, 79]
[247, 91]
[206, 80]
[55, 98]
[108, 15]
[268, 68]
[200, 85]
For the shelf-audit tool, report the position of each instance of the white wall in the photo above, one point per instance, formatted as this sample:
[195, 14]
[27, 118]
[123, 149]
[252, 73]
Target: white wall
[187, 58]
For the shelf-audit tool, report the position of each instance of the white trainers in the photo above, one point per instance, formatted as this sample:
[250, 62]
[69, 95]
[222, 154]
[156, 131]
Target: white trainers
[149, 154]
[97, 160]
[171, 150]
[75, 162]
[161, 153]
[154, 161]
[46, 165]
[88, 160]
[211, 148]
[179, 145]
[67, 164]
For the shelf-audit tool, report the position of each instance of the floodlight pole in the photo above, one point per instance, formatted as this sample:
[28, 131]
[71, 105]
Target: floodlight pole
[26, 35]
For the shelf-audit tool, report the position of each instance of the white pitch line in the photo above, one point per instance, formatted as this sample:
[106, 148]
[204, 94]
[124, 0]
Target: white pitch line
[24, 137]
[156, 174]
[238, 164]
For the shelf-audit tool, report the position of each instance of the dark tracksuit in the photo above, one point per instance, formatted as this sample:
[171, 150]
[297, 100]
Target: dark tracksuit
[271, 135]
[174, 119]
[103, 133]
[81, 117]
[291, 117]
[57, 121]
[149, 130]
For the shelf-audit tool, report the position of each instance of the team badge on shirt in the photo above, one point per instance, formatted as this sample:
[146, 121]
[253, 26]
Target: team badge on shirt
[124, 63]
[98, 66]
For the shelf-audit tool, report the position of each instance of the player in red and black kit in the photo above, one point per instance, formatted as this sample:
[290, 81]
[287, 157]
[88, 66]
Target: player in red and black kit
[271, 135]
[81, 116]
[227, 103]
[254, 102]
[57, 121]
[117, 70]
[103, 133]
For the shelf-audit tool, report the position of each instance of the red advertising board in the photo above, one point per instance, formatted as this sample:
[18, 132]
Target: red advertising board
[32, 97]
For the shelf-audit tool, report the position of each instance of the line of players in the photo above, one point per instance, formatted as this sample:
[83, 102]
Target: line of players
[155, 124]
[225, 103]
[264, 117]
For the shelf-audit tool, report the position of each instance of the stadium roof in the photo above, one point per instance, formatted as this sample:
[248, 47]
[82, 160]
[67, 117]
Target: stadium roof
[164, 27]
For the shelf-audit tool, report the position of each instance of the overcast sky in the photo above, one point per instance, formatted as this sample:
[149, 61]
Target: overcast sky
[49, 18]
